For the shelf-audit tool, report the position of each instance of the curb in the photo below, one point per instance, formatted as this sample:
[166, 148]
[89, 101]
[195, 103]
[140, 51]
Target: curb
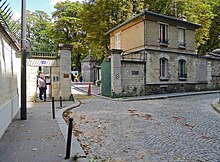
[151, 97]
[216, 106]
[76, 149]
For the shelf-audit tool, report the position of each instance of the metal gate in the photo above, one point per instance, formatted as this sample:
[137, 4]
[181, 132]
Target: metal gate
[106, 78]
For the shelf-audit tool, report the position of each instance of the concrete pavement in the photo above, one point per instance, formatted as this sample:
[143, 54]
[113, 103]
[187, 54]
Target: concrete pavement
[39, 138]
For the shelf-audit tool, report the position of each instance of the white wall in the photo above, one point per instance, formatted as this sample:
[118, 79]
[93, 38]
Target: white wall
[9, 83]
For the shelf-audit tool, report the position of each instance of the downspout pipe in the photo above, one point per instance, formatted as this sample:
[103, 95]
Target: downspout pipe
[145, 45]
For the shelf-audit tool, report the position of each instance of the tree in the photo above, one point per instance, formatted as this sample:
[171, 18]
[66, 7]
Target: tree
[102, 15]
[67, 28]
[213, 40]
[38, 26]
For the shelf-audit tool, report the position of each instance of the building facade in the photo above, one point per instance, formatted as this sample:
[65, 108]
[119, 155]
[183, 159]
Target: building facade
[158, 56]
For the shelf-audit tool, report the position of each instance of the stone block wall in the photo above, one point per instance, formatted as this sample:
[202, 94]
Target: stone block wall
[132, 78]
[152, 30]
[201, 69]
[153, 66]
[215, 73]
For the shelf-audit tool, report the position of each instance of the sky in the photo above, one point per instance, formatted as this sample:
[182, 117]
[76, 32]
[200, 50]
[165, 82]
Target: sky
[33, 5]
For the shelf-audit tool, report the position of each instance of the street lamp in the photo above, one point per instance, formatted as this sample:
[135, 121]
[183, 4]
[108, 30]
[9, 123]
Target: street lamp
[23, 61]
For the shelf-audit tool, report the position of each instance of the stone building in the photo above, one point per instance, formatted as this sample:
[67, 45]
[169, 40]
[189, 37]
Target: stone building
[89, 69]
[153, 53]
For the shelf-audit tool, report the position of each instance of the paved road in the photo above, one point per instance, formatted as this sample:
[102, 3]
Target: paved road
[176, 129]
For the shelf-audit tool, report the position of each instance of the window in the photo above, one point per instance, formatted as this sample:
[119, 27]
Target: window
[118, 41]
[182, 70]
[181, 38]
[163, 69]
[163, 39]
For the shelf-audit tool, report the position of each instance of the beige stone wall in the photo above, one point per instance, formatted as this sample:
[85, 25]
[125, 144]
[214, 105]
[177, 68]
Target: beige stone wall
[153, 67]
[152, 28]
[190, 40]
[132, 36]
[152, 31]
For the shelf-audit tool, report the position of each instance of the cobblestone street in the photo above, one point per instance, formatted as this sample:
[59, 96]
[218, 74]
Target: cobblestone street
[177, 129]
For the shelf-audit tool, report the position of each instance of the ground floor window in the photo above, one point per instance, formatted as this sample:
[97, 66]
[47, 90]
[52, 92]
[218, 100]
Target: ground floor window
[163, 69]
[182, 70]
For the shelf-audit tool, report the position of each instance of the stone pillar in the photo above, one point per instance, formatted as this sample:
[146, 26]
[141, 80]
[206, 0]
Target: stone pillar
[116, 72]
[87, 66]
[65, 70]
[55, 81]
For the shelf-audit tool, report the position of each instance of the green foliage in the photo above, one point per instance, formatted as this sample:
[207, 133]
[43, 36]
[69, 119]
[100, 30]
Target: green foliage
[67, 28]
[213, 38]
[37, 27]
[100, 16]
[96, 17]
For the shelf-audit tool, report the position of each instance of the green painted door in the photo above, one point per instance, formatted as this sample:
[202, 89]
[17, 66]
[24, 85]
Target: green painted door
[106, 78]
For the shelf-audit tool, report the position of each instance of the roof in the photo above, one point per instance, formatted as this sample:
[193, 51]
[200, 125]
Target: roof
[155, 16]
[10, 38]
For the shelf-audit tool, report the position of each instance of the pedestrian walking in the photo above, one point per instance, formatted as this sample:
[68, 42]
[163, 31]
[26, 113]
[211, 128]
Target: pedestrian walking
[42, 87]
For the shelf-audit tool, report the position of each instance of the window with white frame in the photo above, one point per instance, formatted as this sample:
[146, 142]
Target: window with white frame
[163, 69]
[118, 40]
[182, 70]
[163, 38]
[181, 37]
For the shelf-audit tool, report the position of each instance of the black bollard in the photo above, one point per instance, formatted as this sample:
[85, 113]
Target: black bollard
[53, 108]
[69, 138]
[61, 102]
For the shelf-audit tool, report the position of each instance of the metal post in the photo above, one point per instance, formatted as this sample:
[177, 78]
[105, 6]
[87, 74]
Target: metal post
[69, 138]
[53, 109]
[61, 102]
[23, 62]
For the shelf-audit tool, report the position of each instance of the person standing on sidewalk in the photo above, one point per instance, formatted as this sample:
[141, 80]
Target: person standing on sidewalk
[42, 87]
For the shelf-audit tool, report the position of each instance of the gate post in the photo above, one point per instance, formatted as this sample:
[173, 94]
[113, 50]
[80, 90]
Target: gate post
[116, 72]
[65, 70]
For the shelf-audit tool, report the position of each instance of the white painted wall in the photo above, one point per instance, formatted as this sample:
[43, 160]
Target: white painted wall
[9, 83]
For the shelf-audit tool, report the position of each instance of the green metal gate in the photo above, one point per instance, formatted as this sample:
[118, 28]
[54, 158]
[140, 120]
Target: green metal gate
[106, 78]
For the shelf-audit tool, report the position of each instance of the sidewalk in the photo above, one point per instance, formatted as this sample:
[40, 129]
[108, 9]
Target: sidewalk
[39, 138]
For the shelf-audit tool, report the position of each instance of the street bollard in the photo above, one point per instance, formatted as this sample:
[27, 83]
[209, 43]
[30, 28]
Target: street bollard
[61, 102]
[89, 90]
[53, 108]
[69, 138]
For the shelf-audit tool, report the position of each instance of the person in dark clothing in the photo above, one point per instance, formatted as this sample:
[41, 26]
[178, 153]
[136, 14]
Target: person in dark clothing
[42, 87]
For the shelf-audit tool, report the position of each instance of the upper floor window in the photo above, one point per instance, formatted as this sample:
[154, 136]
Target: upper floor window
[118, 40]
[163, 69]
[163, 39]
[181, 38]
[182, 70]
